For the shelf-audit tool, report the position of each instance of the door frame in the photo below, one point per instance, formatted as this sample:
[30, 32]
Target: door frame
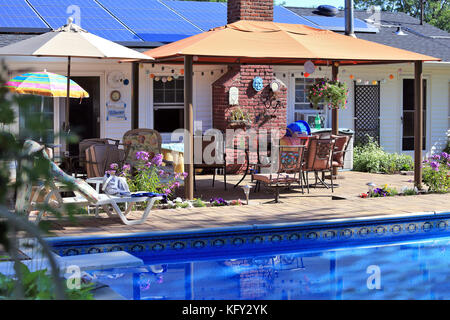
[61, 109]
[428, 114]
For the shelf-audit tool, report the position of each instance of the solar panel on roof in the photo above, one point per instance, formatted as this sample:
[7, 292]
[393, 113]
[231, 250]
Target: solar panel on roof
[151, 20]
[283, 15]
[17, 14]
[338, 23]
[205, 15]
[87, 13]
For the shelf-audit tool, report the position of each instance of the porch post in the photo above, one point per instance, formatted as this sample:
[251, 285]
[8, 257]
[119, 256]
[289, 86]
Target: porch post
[189, 128]
[418, 122]
[135, 96]
[335, 111]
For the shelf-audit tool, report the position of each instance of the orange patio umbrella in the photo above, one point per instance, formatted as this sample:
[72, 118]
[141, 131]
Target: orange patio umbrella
[270, 43]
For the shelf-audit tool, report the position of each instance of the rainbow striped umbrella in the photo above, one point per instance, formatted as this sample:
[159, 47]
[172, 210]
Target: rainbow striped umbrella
[45, 84]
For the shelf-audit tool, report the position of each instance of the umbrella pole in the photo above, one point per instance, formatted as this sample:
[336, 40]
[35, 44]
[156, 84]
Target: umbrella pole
[41, 118]
[66, 124]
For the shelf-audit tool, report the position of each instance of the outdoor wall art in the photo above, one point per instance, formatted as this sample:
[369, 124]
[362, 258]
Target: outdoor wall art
[115, 111]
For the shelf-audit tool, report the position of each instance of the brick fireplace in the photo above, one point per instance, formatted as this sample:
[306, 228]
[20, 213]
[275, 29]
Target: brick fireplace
[265, 111]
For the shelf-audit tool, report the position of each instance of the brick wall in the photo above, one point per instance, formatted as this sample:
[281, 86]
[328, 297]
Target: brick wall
[250, 101]
[250, 10]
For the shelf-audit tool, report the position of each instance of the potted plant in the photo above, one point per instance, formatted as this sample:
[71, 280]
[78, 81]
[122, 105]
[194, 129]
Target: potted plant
[333, 93]
[238, 117]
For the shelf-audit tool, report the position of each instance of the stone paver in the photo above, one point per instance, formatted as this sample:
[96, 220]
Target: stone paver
[295, 207]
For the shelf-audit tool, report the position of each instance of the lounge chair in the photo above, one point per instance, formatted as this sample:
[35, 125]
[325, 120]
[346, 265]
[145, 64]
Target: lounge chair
[84, 194]
[288, 171]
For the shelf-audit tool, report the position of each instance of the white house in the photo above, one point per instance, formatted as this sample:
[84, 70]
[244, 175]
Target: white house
[379, 99]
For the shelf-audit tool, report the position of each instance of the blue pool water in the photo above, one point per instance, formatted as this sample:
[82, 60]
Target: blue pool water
[409, 270]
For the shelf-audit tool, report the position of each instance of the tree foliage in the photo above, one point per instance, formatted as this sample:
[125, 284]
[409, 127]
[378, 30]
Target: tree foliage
[436, 12]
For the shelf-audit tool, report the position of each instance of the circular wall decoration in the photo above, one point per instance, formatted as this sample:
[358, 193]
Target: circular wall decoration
[275, 86]
[115, 95]
[309, 67]
[115, 79]
[258, 83]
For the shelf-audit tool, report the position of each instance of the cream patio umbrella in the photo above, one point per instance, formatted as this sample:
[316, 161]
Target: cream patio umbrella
[71, 41]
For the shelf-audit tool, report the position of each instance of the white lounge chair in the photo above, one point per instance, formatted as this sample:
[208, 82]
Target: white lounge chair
[86, 195]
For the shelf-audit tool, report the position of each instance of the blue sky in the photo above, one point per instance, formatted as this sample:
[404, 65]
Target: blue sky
[312, 3]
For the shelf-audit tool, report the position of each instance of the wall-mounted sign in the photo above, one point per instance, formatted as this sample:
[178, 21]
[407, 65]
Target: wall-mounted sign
[116, 111]
[233, 96]
[258, 84]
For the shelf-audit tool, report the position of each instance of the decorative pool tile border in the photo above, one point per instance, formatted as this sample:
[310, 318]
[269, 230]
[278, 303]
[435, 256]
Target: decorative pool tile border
[299, 236]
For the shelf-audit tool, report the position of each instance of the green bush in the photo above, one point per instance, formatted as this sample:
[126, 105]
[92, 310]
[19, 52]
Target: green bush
[447, 148]
[436, 172]
[370, 157]
[39, 285]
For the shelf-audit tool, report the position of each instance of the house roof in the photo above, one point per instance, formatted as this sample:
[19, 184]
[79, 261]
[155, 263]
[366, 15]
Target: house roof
[425, 39]
[418, 38]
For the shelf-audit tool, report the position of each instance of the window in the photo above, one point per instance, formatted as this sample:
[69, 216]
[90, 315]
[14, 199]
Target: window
[34, 124]
[302, 107]
[168, 105]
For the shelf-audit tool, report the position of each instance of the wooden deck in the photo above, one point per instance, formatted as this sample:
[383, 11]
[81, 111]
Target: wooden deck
[295, 207]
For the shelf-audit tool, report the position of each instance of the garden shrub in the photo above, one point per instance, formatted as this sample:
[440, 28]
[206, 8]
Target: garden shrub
[436, 172]
[371, 157]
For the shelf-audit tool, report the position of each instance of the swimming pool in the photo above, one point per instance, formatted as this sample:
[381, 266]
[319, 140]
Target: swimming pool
[395, 257]
[414, 270]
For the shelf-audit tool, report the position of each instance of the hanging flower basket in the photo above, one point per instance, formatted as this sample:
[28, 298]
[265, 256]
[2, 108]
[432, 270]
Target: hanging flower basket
[332, 93]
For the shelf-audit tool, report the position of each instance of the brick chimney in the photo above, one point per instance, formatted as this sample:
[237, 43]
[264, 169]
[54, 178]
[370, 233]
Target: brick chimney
[241, 76]
[261, 10]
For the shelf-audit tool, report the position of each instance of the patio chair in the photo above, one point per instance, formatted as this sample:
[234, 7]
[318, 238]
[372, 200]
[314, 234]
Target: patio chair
[135, 140]
[99, 157]
[86, 195]
[219, 159]
[289, 166]
[340, 150]
[319, 160]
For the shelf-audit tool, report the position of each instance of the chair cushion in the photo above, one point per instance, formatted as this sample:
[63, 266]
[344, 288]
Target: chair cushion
[273, 178]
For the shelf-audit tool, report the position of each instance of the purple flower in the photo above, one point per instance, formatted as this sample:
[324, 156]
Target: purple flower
[126, 167]
[142, 155]
[435, 165]
[436, 157]
[185, 174]
[157, 159]
[445, 155]
[148, 164]
[111, 172]
[114, 166]
[161, 173]
[176, 184]
[167, 191]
